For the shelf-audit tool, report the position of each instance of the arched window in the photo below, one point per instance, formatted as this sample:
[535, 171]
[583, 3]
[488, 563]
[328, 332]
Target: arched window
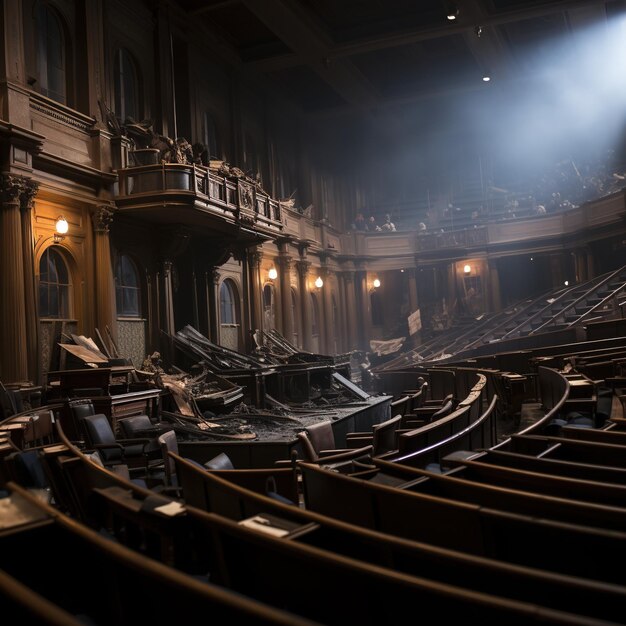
[228, 310]
[209, 136]
[51, 54]
[54, 286]
[376, 303]
[127, 288]
[126, 86]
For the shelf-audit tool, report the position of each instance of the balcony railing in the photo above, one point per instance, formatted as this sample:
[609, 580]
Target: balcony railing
[240, 198]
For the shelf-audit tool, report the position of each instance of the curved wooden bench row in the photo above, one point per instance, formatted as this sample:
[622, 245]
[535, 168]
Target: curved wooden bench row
[103, 582]
[486, 530]
[477, 435]
[335, 537]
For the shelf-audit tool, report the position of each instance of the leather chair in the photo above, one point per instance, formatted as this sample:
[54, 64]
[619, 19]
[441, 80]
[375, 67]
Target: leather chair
[139, 426]
[100, 436]
[382, 437]
[318, 446]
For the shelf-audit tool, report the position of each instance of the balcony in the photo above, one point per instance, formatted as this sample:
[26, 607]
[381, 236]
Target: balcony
[171, 193]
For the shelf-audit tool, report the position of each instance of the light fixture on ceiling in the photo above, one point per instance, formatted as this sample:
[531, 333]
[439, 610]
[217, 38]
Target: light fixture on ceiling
[452, 12]
[272, 274]
[486, 78]
[319, 283]
[61, 228]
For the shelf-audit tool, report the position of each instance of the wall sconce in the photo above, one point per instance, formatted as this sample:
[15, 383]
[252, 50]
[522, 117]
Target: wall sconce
[376, 283]
[61, 227]
[467, 269]
[273, 274]
[319, 283]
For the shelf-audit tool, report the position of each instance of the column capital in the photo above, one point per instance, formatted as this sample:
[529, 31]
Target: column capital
[284, 261]
[303, 268]
[348, 275]
[11, 187]
[215, 276]
[255, 257]
[28, 193]
[102, 218]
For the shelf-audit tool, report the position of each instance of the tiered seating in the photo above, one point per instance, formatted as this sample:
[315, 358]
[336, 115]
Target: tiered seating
[460, 516]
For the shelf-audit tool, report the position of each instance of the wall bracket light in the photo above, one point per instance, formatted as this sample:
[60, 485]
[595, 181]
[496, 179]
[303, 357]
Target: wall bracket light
[61, 228]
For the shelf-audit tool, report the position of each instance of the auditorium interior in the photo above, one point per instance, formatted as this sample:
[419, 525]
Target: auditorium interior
[311, 312]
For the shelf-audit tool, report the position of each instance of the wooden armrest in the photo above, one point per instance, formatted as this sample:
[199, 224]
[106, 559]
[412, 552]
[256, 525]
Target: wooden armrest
[334, 451]
[358, 434]
[357, 442]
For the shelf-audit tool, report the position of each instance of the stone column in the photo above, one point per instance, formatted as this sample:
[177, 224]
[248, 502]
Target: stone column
[363, 310]
[167, 298]
[256, 291]
[305, 303]
[213, 282]
[104, 282]
[30, 284]
[327, 315]
[494, 285]
[284, 262]
[412, 282]
[13, 331]
[352, 314]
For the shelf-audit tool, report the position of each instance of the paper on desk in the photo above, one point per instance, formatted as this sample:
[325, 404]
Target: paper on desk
[256, 524]
[171, 509]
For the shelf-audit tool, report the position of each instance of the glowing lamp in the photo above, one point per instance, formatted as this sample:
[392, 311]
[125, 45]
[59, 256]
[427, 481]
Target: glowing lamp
[376, 283]
[61, 225]
[467, 269]
[273, 274]
[319, 283]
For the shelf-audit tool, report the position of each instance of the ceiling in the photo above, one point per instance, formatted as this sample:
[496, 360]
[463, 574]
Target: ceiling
[338, 56]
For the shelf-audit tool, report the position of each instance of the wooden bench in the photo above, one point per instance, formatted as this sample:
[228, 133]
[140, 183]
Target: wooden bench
[479, 434]
[528, 540]
[325, 586]
[581, 490]
[88, 575]
[547, 465]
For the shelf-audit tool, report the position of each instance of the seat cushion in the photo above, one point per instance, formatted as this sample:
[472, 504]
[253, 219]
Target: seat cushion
[220, 462]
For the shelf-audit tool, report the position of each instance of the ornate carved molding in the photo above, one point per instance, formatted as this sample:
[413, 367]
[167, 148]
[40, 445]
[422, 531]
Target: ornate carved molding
[102, 218]
[10, 188]
[255, 257]
[215, 277]
[29, 191]
[61, 116]
[303, 268]
[284, 261]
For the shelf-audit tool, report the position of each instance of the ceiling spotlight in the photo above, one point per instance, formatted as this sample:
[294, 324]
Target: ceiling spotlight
[479, 31]
[452, 12]
[486, 78]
